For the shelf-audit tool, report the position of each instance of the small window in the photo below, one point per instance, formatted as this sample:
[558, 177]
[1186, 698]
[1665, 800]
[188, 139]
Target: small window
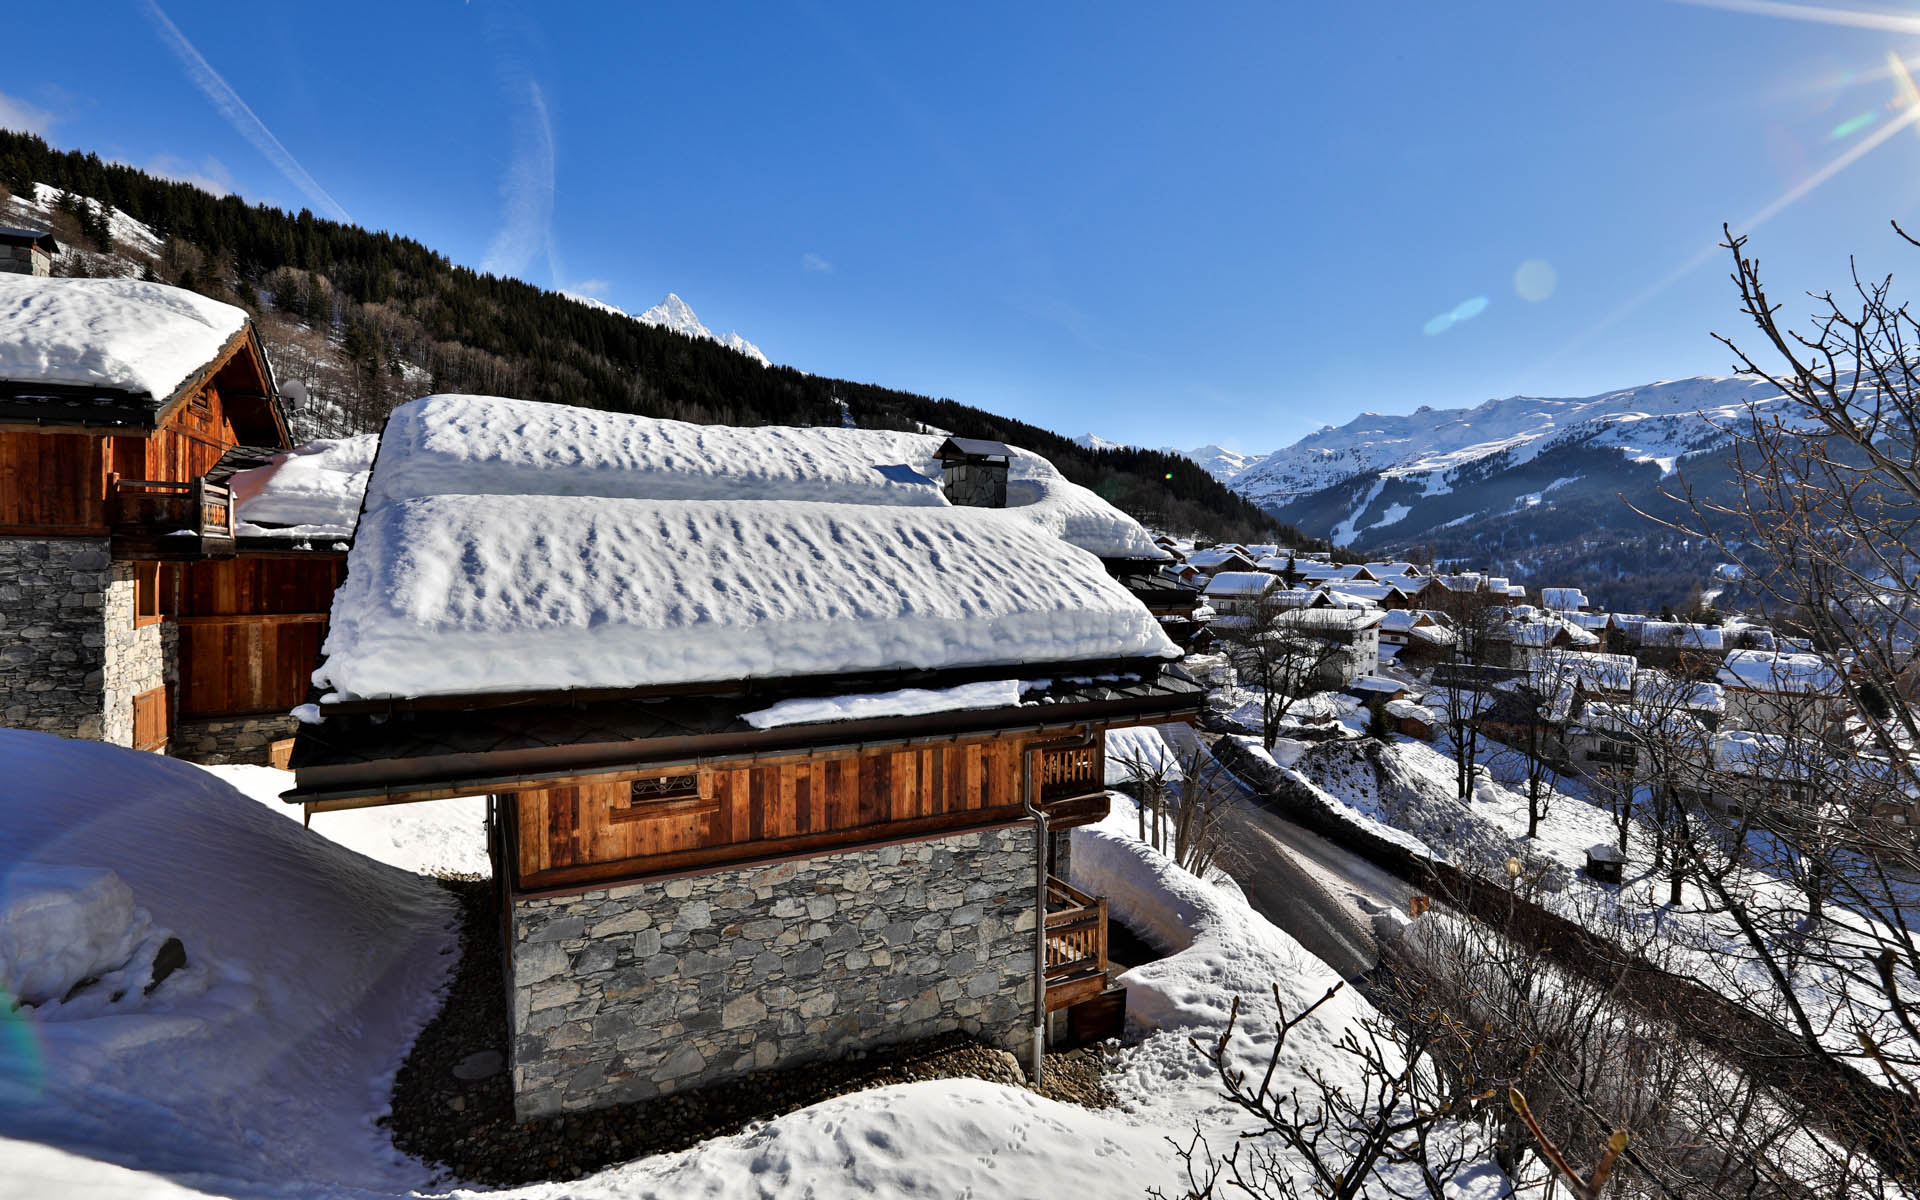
[146, 594]
[659, 796]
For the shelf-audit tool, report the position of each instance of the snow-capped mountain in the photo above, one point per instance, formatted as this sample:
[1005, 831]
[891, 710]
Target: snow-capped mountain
[1658, 422]
[1094, 441]
[673, 313]
[1221, 463]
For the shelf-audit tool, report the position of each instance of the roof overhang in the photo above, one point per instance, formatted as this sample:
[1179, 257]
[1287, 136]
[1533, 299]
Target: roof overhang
[364, 755]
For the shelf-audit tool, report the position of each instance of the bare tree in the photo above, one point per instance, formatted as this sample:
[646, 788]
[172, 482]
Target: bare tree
[1472, 614]
[1284, 661]
[1181, 799]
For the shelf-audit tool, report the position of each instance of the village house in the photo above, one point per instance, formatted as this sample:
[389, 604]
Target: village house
[144, 606]
[1355, 632]
[781, 745]
[1563, 600]
[1781, 692]
[1218, 560]
[27, 251]
[1239, 598]
[1414, 637]
[1681, 644]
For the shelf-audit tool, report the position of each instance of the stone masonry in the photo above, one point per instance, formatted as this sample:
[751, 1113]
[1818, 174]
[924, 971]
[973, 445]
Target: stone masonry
[231, 739]
[70, 659]
[633, 991]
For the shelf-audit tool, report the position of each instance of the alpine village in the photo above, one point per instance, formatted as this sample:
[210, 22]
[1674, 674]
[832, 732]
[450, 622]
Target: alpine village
[462, 737]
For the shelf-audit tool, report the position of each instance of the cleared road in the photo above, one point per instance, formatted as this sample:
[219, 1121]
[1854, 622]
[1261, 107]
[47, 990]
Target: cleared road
[1323, 895]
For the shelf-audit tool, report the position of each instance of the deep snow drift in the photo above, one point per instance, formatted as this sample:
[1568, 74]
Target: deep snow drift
[258, 1070]
[121, 334]
[309, 491]
[259, 1066]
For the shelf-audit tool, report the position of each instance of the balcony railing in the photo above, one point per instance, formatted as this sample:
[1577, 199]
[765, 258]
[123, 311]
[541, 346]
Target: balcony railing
[1076, 945]
[159, 508]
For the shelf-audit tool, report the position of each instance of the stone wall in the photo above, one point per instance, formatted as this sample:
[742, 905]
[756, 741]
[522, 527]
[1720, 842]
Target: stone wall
[53, 644]
[137, 660]
[633, 991]
[231, 739]
[977, 485]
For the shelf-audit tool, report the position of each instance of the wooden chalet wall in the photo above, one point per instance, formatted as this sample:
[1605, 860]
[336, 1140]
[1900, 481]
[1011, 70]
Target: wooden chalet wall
[53, 483]
[250, 630]
[58, 482]
[597, 830]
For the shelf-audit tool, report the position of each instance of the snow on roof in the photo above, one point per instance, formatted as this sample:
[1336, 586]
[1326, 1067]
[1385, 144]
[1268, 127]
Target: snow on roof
[1384, 569]
[1591, 622]
[459, 594]
[1681, 635]
[1597, 672]
[1340, 619]
[119, 334]
[490, 445]
[1371, 593]
[1212, 557]
[1654, 686]
[1376, 683]
[1563, 599]
[1241, 583]
[1768, 671]
[1408, 710]
[1628, 718]
[309, 491]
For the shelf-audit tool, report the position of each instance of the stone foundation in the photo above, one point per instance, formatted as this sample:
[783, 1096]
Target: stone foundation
[137, 660]
[231, 739]
[634, 991]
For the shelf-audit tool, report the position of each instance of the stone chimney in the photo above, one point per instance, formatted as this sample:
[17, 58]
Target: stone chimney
[974, 472]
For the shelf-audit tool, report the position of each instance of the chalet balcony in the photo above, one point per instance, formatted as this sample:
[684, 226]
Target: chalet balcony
[1076, 945]
[167, 518]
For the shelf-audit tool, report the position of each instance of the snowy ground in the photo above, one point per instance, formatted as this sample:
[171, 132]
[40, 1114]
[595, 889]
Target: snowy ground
[259, 1069]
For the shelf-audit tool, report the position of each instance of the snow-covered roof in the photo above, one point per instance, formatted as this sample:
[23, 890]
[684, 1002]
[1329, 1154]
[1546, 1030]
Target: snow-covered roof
[118, 334]
[461, 594]
[310, 491]
[1563, 599]
[1213, 556]
[509, 577]
[1768, 671]
[1381, 570]
[1596, 672]
[1656, 687]
[489, 445]
[1240, 584]
[1681, 635]
[1337, 619]
[1376, 683]
[1627, 718]
[1408, 710]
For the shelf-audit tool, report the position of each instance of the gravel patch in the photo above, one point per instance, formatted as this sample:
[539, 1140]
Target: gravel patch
[453, 1100]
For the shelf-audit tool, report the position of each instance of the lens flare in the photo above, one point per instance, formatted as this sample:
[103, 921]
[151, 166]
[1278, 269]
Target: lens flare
[1466, 310]
[22, 1059]
[1535, 280]
[1851, 126]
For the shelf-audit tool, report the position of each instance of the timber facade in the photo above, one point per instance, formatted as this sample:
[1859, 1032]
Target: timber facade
[135, 613]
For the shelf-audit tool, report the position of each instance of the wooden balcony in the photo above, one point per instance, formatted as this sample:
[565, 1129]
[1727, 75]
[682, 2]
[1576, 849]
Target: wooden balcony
[1076, 945]
[155, 518]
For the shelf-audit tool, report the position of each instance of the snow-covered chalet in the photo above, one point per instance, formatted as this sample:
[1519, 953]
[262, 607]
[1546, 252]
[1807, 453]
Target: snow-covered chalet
[781, 743]
[144, 603]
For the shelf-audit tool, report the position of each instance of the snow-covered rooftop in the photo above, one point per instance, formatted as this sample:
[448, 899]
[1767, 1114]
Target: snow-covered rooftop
[310, 491]
[1241, 584]
[118, 334]
[1681, 635]
[1767, 671]
[510, 579]
[1563, 599]
[489, 445]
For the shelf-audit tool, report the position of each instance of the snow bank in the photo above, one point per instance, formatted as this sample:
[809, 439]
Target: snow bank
[1140, 746]
[906, 702]
[311, 971]
[110, 333]
[476, 593]
[434, 837]
[62, 925]
[447, 445]
[314, 489]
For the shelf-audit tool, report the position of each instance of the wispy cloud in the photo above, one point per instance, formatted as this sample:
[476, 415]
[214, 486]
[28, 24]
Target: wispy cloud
[228, 103]
[211, 175]
[16, 114]
[590, 287]
[816, 264]
[526, 192]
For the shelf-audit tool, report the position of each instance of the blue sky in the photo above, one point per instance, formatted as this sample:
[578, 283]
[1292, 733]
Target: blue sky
[1224, 223]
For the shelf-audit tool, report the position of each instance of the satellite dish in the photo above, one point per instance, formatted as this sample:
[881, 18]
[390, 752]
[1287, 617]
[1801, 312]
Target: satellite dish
[293, 394]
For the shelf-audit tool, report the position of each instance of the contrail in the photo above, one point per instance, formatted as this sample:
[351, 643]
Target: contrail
[238, 115]
[528, 188]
